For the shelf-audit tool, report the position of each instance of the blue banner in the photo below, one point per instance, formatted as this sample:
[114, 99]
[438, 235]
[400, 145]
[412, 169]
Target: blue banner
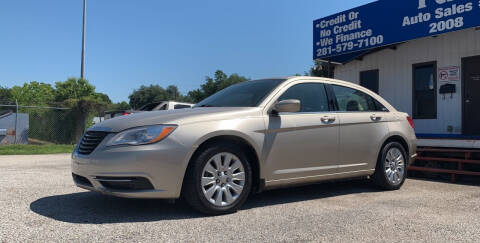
[387, 22]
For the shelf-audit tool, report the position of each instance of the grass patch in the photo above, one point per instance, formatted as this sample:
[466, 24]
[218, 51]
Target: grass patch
[28, 149]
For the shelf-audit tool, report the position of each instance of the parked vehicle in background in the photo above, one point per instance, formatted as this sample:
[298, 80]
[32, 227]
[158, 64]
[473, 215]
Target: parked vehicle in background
[156, 106]
[251, 136]
[165, 105]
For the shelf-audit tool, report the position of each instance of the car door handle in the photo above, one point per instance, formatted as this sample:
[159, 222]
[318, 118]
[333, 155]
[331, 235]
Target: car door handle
[327, 119]
[375, 117]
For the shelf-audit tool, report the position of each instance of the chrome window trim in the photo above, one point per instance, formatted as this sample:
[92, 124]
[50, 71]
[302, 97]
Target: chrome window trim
[306, 113]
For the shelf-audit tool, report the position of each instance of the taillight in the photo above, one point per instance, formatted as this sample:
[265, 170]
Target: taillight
[125, 113]
[410, 120]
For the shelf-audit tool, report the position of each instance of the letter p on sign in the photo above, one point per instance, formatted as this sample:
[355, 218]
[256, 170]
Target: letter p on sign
[422, 4]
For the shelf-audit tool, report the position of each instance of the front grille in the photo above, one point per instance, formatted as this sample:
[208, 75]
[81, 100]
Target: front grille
[90, 141]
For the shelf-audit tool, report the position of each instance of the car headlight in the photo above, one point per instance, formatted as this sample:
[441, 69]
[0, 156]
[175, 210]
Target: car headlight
[142, 135]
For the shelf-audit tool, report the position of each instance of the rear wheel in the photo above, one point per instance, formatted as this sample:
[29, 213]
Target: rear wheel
[391, 169]
[219, 180]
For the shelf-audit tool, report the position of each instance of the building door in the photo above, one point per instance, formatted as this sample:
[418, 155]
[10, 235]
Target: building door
[471, 96]
[424, 91]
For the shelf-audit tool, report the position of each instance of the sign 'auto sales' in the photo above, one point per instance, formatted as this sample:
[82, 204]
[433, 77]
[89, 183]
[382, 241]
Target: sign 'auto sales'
[387, 22]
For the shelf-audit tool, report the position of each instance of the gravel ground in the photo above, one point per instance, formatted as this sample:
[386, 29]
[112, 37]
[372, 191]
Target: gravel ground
[38, 202]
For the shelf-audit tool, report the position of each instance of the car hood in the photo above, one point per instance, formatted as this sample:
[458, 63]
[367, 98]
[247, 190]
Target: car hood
[177, 117]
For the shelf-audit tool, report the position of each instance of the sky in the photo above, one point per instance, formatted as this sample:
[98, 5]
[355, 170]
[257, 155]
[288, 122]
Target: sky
[141, 42]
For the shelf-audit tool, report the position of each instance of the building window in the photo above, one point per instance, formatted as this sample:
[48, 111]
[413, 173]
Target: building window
[424, 90]
[369, 80]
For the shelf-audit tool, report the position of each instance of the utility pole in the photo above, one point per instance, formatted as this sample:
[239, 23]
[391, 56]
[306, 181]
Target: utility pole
[82, 71]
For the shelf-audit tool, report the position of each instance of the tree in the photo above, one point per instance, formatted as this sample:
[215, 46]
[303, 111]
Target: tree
[33, 93]
[122, 106]
[104, 98]
[80, 96]
[5, 95]
[147, 94]
[213, 85]
[155, 93]
[73, 89]
[172, 92]
[320, 69]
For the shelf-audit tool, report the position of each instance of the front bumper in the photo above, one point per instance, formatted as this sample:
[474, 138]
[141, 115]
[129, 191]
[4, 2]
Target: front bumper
[149, 171]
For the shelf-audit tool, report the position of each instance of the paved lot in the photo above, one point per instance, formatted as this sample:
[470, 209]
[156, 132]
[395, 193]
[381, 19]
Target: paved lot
[38, 202]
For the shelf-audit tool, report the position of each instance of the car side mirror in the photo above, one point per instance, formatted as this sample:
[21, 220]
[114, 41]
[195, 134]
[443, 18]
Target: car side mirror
[287, 106]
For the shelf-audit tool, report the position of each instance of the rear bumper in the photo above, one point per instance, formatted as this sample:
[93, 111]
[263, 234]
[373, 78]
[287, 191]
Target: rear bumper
[412, 159]
[412, 149]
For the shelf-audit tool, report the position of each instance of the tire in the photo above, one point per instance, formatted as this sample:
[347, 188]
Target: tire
[227, 183]
[390, 174]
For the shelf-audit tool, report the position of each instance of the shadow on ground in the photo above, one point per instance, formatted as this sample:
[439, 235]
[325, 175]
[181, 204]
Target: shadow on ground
[94, 208]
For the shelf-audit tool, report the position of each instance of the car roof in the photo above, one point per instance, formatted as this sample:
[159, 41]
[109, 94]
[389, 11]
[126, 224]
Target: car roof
[343, 83]
[291, 78]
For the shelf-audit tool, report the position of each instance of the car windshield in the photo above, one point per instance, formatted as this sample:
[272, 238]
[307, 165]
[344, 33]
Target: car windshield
[245, 94]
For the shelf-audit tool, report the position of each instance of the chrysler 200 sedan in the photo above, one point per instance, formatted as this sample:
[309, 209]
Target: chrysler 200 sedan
[249, 137]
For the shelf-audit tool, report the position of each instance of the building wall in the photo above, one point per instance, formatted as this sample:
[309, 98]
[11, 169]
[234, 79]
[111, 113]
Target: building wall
[395, 74]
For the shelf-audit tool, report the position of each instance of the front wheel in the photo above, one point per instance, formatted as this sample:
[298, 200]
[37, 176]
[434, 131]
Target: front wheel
[391, 169]
[219, 180]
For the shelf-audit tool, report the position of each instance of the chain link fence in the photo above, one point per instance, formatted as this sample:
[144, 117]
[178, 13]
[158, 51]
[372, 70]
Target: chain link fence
[40, 125]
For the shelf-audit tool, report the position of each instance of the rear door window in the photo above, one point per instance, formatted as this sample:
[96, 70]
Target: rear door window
[352, 100]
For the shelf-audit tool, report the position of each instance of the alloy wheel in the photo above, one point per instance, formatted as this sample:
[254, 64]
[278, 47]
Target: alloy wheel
[223, 179]
[395, 166]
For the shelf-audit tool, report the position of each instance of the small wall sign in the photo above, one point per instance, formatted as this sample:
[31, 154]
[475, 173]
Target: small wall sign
[449, 74]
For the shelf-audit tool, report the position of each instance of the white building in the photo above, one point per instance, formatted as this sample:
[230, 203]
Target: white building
[394, 71]
[433, 77]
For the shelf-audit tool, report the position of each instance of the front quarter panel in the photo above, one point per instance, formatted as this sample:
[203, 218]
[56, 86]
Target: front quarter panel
[194, 134]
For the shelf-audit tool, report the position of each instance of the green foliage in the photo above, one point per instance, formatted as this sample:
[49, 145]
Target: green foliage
[120, 106]
[147, 94]
[320, 69]
[154, 93]
[213, 85]
[5, 95]
[74, 89]
[103, 97]
[80, 96]
[172, 92]
[53, 126]
[59, 126]
[33, 93]
[84, 103]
